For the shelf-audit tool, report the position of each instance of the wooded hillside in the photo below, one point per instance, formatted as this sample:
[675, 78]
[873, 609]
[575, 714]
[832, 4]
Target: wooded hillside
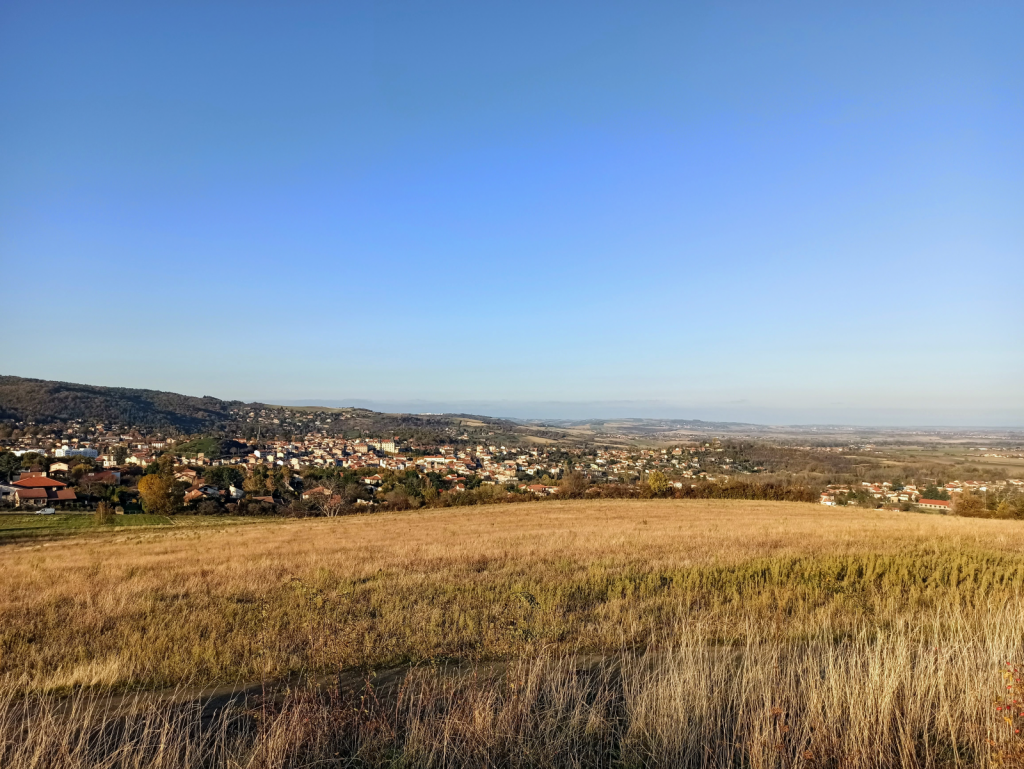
[45, 401]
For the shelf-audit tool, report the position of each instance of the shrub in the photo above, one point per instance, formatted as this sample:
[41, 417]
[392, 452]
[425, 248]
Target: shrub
[209, 507]
[104, 514]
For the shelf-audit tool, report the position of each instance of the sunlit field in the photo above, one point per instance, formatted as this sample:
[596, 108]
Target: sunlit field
[621, 633]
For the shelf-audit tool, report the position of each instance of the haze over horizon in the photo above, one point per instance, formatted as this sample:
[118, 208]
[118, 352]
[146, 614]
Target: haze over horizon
[792, 214]
[834, 415]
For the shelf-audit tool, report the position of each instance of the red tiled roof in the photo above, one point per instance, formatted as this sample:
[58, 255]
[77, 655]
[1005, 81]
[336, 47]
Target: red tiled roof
[942, 502]
[56, 495]
[32, 494]
[39, 483]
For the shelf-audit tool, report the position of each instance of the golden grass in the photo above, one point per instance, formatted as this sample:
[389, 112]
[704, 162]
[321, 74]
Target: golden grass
[869, 701]
[224, 604]
[625, 633]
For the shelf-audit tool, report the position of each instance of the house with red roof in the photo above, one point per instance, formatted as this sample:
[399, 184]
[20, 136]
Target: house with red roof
[105, 477]
[38, 490]
[539, 488]
[202, 492]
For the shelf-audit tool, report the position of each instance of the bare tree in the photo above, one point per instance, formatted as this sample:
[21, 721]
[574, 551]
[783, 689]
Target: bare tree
[328, 498]
[573, 485]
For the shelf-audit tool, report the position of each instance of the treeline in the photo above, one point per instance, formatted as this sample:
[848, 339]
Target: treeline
[335, 492]
[570, 489]
[1003, 503]
[401, 493]
[739, 489]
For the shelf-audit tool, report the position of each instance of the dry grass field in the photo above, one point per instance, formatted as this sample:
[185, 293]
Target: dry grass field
[618, 633]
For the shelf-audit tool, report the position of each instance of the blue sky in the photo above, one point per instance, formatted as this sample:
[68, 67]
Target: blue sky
[786, 212]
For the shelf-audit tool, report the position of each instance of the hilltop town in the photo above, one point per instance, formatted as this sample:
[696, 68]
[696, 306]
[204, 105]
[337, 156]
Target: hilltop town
[102, 453]
[279, 460]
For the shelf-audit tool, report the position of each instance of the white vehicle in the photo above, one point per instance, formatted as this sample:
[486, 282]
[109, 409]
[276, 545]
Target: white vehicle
[46, 511]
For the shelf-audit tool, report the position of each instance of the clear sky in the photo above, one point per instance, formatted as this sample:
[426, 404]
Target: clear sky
[788, 212]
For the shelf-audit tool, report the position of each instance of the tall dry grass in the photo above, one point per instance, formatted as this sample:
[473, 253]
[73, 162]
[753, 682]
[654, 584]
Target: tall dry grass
[214, 605]
[911, 697]
[661, 633]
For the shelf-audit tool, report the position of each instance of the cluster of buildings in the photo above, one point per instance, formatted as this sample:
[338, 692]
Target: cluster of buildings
[314, 443]
[533, 468]
[36, 490]
[493, 463]
[889, 493]
[885, 491]
[695, 460]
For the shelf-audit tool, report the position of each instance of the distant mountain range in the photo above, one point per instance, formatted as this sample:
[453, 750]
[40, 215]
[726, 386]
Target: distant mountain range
[39, 400]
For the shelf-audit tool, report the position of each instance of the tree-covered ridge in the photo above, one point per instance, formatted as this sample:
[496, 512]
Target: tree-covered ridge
[45, 401]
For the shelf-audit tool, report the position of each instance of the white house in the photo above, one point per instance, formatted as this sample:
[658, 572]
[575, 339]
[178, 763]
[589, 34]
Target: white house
[67, 451]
